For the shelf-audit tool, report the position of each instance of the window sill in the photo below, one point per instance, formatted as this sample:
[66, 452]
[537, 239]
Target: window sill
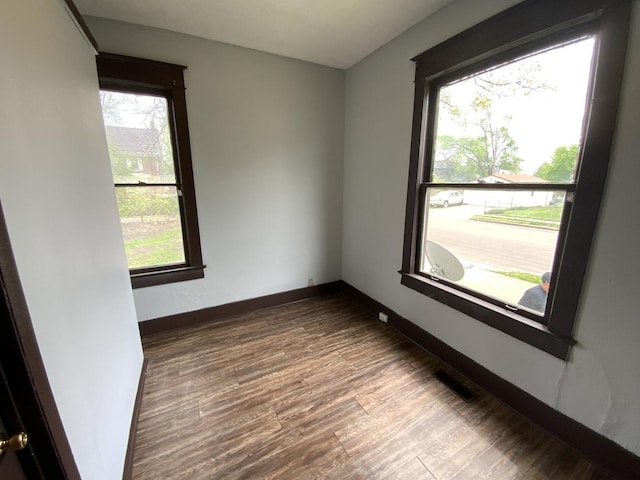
[166, 275]
[528, 331]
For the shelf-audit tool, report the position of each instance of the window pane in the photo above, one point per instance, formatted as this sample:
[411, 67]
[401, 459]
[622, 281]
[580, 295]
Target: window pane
[139, 137]
[495, 242]
[519, 122]
[151, 226]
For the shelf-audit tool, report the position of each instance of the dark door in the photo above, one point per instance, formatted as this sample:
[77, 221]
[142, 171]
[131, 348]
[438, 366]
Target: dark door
[10, 467]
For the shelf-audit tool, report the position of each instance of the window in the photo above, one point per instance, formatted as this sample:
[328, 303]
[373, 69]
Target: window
[512, 131]
[144, 111]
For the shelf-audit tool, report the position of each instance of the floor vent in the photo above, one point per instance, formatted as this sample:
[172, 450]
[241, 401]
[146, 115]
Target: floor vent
[462, 391]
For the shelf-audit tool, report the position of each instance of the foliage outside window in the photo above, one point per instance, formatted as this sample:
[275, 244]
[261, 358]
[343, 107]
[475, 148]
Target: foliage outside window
[513, 125]
[144, 113]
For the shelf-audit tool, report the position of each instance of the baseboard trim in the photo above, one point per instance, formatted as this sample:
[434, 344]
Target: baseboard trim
[128, 459]
[204, 315]
[599, 449]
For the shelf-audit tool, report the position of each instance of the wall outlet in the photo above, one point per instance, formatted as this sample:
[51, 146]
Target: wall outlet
[383, 317]
[310, 283]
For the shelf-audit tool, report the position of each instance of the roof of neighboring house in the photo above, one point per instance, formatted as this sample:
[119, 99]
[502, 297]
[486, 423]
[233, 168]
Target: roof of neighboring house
[513, 178]
[141, 141]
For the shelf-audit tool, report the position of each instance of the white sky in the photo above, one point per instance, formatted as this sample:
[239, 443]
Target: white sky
[541, 121]
[133, 109]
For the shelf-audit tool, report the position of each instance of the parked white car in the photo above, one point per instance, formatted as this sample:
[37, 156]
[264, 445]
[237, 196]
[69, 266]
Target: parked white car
[446, 198]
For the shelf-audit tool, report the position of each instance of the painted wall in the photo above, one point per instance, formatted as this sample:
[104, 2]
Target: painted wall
[599, 385]
[61, 214]
[267, 145]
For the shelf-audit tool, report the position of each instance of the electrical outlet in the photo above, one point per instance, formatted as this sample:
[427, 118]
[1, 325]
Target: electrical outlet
[383, 317]
[310, 283]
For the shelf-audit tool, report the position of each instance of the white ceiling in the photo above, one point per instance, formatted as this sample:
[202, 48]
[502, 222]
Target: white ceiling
[337, 33]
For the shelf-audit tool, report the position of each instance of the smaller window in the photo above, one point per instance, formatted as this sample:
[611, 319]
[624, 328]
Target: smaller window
[144, 112]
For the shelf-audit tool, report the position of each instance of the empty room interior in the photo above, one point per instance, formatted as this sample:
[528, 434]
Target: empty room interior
[294, 239]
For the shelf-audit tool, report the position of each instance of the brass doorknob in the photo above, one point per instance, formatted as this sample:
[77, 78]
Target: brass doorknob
[16, 442]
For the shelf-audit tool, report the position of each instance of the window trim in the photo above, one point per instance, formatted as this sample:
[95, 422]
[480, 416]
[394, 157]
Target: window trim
[136, 75]
[525, 27]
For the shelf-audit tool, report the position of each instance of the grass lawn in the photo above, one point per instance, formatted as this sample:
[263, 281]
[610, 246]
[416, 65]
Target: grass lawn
[531, 213]
[161, 245]
[543, 217]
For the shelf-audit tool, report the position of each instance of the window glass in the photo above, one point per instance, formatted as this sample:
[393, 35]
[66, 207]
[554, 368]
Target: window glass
[139, 138]
[142, 162]
[151, 227]
[520, 118]
[496, 243]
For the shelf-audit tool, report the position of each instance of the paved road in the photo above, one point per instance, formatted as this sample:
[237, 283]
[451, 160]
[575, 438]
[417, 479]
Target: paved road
[507, 247]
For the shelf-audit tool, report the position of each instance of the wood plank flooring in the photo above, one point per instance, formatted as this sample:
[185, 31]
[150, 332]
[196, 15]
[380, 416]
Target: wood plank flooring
[321, 389]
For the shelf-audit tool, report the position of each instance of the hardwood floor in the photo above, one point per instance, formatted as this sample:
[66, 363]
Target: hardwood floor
[322, 389]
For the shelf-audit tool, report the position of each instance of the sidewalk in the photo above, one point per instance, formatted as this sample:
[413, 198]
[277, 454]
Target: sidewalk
[509, 289]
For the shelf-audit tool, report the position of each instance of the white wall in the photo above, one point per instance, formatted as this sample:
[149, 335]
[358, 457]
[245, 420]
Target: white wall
[60, 210]
[267, 145]
[599, 386]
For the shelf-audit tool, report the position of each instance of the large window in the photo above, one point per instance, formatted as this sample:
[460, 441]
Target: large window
[513, 126]
[144, 111]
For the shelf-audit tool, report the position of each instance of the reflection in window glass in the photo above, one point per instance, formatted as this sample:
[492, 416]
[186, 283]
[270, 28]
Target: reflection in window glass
[503, 240]
[521, 118]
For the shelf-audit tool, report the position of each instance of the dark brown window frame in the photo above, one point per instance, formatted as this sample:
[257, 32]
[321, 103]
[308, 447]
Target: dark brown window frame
[526, 27]
[135, 75]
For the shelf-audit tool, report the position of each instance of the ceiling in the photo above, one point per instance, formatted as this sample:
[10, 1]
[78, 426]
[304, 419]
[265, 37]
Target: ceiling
[337, 33]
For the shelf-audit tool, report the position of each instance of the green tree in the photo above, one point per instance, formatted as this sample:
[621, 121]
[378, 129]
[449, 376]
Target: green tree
[454, 159]
[147, 202]
[562, 166]
[488, 148]
[465, 159]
